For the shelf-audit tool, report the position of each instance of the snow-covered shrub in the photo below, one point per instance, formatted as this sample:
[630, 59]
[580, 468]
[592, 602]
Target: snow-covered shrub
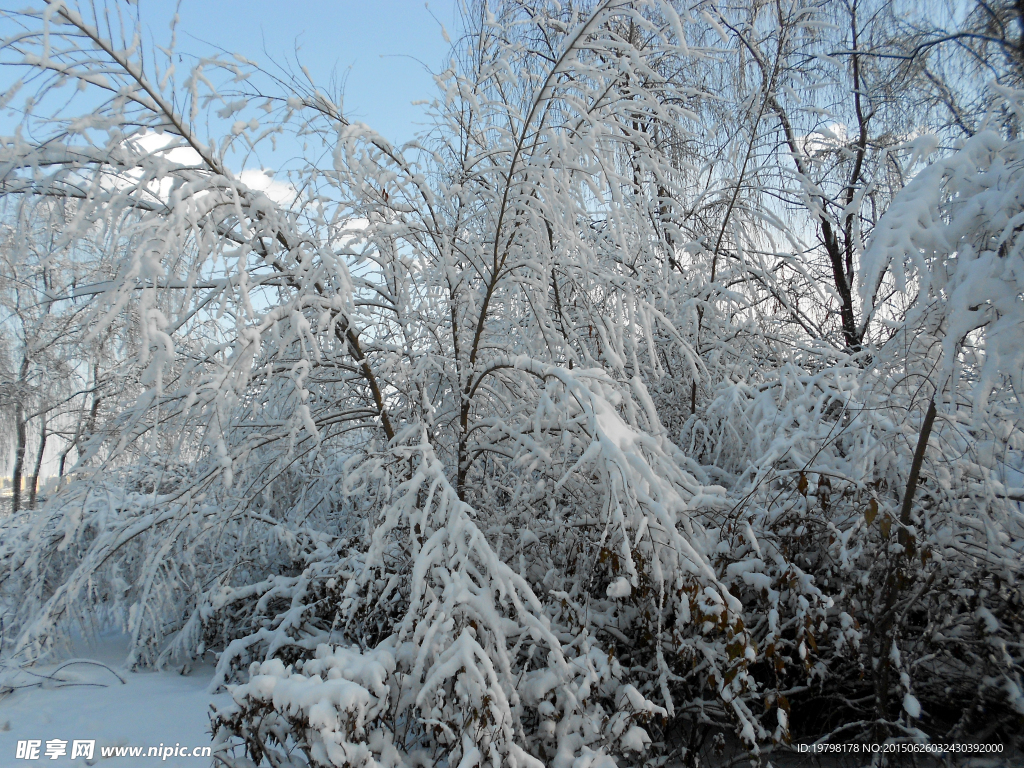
[819, 465]
[949, 596]
[537, 634]
[332, 707]
[338, 708]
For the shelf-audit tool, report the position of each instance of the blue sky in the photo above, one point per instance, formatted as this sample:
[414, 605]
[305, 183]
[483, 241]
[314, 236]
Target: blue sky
[379, 48]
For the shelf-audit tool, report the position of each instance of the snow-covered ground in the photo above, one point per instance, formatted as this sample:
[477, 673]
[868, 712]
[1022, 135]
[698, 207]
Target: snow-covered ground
[149, 709]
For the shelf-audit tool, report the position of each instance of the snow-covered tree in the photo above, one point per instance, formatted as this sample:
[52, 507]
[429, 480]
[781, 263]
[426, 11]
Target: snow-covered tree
[411, 439]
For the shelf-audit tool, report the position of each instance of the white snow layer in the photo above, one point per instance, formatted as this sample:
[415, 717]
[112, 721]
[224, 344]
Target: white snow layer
[148, 709]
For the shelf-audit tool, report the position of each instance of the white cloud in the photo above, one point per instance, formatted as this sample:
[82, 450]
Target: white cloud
[157, 143]
[280, 192]
[160, 145]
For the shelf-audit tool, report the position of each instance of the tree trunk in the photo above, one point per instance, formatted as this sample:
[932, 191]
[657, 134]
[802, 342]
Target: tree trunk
[90, 424]
[19, 459]
[893, 580]
[19, 447]
[915, 474]
[39, 464]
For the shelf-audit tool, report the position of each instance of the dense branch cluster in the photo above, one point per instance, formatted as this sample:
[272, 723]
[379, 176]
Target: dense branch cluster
[667, 389]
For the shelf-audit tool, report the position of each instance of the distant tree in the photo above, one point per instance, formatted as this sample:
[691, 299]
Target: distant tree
[46, 359]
